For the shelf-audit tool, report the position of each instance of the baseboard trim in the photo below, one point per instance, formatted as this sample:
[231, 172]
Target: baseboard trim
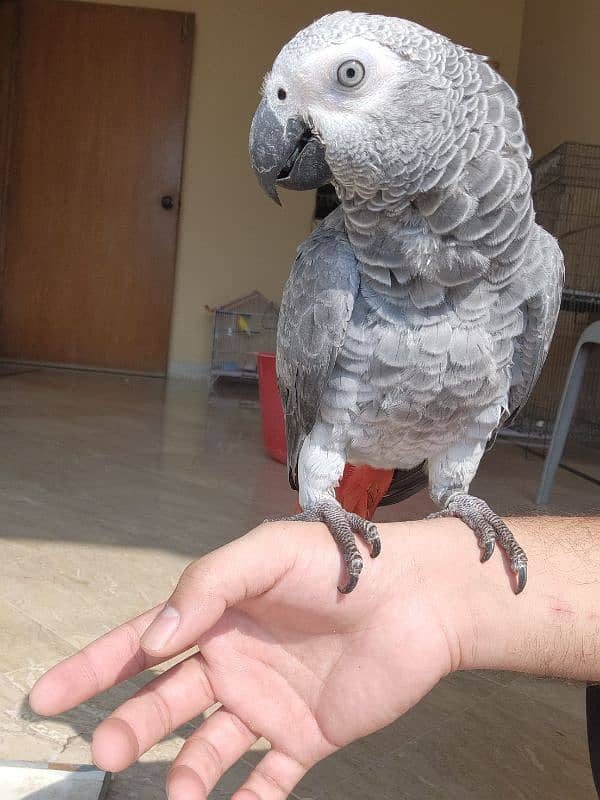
[188, 370]
[80, 368]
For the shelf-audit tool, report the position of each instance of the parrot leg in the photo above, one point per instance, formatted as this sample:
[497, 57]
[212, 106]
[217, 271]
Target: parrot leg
[450, 475]
[320, 469]
[343, 525]
[489, 529]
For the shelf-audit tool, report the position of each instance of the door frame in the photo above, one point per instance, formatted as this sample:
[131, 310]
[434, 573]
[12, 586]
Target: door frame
[6, 141]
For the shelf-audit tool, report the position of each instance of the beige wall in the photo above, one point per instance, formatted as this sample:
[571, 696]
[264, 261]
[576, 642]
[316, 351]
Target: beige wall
[559, 76]
[232, 238]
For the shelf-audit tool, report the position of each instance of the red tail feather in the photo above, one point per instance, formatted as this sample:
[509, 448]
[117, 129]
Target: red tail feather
[362, 489]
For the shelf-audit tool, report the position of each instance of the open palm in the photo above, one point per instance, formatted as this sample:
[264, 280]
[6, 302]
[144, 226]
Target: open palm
[288, 658]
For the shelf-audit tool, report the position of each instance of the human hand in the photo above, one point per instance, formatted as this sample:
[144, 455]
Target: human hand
[285, 654]
[292, 660]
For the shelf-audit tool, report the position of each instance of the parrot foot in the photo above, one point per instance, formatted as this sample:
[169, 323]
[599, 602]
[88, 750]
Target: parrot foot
[343, 525]
[489, 529]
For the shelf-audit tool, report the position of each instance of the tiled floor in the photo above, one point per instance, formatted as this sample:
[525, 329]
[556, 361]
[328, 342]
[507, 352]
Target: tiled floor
[110, 485]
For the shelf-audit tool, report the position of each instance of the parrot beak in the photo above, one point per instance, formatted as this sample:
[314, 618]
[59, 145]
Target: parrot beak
[288, 156]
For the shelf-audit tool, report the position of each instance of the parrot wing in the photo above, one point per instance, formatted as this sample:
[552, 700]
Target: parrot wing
[317, 305]
[541, 315]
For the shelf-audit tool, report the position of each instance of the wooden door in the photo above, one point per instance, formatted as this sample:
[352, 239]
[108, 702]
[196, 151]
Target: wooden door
[100, 109]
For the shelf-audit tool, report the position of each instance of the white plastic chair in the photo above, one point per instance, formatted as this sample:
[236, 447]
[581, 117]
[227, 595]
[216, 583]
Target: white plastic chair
[589, 338]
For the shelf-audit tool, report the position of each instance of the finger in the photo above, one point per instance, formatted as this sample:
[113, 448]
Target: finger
[167, 702]
[273, 778]
[207, 755]
[111, 659]
[242, 569]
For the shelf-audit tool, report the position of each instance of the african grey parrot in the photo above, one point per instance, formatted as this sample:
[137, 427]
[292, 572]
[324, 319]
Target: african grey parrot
[418, 314]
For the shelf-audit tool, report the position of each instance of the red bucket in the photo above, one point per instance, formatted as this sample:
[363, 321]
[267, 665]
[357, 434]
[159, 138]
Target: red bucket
[270, 408]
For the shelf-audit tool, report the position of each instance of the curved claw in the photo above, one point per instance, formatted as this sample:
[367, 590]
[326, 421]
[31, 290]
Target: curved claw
[354, 570]
[375, 548]
[521, 573]
[487, 550]
[352, 581]
[375, 543]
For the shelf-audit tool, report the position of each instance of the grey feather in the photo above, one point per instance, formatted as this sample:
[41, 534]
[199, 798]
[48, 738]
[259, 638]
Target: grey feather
[317, 303]
[541, 312]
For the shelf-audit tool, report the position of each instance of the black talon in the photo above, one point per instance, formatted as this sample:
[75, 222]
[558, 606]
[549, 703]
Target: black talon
[375, 547]
[521, 573]
[487, 550]
[354, 569]
[352, 581]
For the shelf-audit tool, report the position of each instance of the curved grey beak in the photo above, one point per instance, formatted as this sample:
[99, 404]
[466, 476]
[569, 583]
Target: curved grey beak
[286, 155]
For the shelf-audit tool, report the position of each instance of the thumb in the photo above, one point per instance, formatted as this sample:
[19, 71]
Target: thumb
[242, 569]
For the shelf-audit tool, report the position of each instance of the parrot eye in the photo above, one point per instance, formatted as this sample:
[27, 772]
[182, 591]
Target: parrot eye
[351, 73]
[281, 94]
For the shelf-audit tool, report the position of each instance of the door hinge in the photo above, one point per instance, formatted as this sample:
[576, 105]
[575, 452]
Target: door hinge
[187, 26]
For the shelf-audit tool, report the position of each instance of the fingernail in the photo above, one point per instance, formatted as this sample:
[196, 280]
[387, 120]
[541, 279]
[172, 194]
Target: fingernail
[161, 630]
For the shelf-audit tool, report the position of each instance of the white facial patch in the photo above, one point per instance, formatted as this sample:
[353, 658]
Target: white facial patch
[322, 89]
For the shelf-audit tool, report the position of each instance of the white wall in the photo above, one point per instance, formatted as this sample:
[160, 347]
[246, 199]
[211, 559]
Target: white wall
[559, 72]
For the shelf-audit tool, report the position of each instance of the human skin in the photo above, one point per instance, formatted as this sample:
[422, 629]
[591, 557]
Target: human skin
[292, 660]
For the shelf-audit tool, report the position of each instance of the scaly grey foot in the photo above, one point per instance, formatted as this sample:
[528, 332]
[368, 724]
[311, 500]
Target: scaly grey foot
[489, 529]
[343, 525]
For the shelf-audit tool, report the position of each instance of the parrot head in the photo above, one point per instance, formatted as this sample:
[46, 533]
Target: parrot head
[359, 100]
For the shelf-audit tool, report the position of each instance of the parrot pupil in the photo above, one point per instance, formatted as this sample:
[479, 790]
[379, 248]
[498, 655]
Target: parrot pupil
[351, 73]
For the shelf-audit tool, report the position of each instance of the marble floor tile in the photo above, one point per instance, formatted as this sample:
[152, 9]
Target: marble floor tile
[110, 485]
[511, 745]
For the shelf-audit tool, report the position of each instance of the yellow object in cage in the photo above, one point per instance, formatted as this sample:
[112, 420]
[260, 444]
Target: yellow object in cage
[243, 325]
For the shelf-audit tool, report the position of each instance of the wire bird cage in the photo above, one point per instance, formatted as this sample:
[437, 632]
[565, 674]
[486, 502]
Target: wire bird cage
[242, 329]
[566, 194]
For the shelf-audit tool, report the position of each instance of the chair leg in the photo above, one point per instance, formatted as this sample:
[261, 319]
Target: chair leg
[563, 421]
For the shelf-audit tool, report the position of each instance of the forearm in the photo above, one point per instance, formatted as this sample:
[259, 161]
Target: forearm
[553, 628]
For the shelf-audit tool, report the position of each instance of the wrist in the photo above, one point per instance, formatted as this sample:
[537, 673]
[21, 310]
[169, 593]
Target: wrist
[552, 628]
[556, 631]
[451, 564]
[442, 558]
